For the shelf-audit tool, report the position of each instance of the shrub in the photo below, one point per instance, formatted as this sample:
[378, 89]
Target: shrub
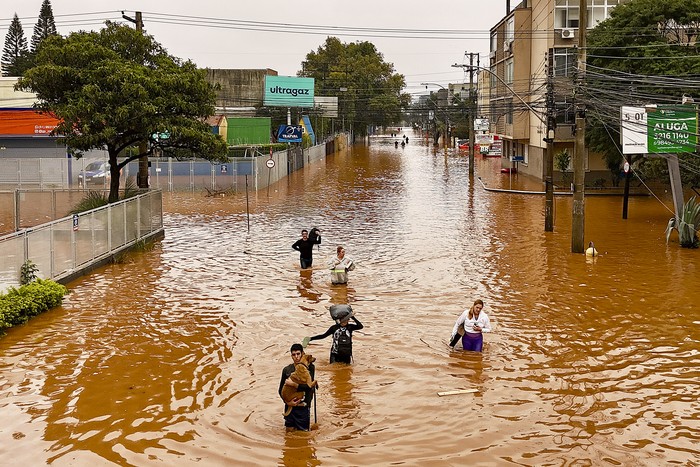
[18, 305]
[27, 273]
[562, 160]
[93, 200]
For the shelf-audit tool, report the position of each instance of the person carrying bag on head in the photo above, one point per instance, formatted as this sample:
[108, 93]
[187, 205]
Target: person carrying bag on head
[341, 347]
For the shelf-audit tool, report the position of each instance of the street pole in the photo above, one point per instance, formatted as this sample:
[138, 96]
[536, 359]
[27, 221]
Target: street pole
[549, 152]
[578, 207]
[142, 178]
[472, 109]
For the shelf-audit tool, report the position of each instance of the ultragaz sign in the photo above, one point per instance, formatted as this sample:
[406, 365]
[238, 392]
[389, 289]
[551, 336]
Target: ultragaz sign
[288, 91]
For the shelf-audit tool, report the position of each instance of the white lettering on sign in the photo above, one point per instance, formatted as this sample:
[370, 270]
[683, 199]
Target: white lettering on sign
[674, 126]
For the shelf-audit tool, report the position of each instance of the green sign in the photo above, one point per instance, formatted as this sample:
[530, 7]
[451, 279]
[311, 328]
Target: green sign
[672, 129]
[289, 91]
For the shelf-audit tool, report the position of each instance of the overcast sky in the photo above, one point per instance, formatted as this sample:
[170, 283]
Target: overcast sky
[204, 31]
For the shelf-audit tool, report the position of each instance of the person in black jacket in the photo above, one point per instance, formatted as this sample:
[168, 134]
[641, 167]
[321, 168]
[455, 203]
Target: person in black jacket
[341, 348]
[305, 246]
[300, 416]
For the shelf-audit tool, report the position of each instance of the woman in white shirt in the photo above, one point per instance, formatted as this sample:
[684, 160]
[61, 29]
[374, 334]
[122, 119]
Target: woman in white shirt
[339, 266]
[470, 326]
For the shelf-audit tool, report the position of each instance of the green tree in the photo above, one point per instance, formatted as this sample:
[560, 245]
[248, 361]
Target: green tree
[368, 89]
[114, 88]
[645, 53]
[45, 25]
[15, 52]
[562, 160]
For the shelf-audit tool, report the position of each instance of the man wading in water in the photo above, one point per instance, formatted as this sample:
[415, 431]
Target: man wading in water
[305, 246]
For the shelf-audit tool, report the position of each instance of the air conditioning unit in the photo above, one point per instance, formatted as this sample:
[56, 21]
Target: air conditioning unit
[568, 33]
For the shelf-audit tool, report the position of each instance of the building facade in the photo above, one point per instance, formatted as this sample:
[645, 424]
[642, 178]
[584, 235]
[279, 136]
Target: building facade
[534, 42]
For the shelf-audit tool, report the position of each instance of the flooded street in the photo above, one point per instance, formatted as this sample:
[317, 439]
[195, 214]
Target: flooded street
[174, 356]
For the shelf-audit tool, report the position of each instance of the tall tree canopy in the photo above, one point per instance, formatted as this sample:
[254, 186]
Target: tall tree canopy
[15, 52]
[645, 53]
[116, 87]
[45, 25]
[368, 89]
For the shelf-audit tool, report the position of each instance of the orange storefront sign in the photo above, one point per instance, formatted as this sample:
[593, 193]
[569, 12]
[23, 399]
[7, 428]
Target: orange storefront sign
[26, 123]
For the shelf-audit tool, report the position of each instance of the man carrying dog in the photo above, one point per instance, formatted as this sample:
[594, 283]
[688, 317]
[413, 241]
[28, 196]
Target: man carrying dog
[300, 416]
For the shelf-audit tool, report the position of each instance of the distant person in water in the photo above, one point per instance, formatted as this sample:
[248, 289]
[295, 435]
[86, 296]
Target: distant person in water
[339, 266]
[470, 326]
[305, 247]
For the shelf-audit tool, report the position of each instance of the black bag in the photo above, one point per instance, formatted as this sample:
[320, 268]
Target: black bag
[344, 348]
[313, 235]
[338, 312]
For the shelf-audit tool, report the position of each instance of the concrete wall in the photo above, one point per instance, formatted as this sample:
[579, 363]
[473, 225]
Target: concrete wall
[9, 98]
[238, 88]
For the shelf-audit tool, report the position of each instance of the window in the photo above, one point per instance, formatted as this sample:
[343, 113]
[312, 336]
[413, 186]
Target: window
[599, 11]
[566, 113]
[509, 113]
[494, 42]
[565, 61]
[509, 71]
[510, 30]
[566, 14]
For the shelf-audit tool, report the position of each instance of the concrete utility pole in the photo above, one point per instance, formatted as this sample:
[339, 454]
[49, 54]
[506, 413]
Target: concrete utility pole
[472, 111]
[142, 178]
[549, 151]
[578, 207]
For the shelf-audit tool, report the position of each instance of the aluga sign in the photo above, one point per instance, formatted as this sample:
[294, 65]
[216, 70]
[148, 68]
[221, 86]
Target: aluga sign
[672, 129]
[659, 130]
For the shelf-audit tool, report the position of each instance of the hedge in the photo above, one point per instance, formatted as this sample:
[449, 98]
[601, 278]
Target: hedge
[18, 305]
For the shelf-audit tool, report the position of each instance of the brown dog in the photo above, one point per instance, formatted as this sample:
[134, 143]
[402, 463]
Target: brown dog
[301, 375]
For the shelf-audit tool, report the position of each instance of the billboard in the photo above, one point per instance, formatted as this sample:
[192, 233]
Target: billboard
[326, 106]
[288, 91]
[26, 122]
[660, 129]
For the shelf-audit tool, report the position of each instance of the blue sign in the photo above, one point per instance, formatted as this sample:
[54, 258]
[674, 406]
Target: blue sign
[515, 158]
[289, 133]
[288, 91]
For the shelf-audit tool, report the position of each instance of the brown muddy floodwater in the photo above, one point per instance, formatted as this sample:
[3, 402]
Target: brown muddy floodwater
[174, 356]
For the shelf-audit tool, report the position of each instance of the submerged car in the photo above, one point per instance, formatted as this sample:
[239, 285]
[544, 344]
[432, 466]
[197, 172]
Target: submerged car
[95, 173]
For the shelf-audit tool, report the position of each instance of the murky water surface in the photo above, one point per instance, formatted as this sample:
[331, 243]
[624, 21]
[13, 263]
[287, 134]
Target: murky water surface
[174, 356]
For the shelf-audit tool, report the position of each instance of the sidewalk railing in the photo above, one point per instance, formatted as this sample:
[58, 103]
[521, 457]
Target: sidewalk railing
[66, 246]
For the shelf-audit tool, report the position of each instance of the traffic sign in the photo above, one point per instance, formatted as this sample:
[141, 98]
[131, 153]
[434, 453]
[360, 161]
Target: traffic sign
[270, 163]
[626, 167]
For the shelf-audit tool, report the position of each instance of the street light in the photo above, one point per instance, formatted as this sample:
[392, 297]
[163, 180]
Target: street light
[447, 117]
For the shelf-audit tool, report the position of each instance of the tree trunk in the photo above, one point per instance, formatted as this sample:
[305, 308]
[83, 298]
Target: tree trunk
[114, 178]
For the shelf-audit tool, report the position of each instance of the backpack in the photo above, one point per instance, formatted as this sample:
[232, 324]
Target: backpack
[344, 344]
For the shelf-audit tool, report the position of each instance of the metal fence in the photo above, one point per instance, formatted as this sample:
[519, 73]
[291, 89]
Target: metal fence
[64, 247]
[164, 173]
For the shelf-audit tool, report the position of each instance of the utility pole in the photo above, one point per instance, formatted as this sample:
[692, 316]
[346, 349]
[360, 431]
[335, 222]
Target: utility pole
[549, 151]
[472, 110]
[578, 207]
[142, 178]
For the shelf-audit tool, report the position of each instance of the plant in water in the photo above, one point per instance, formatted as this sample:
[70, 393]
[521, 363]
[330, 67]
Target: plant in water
[28, 272]
[687, 224]
[94, 199]
[562, 159]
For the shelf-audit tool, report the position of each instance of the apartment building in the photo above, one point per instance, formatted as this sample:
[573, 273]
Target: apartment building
[533, 39]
